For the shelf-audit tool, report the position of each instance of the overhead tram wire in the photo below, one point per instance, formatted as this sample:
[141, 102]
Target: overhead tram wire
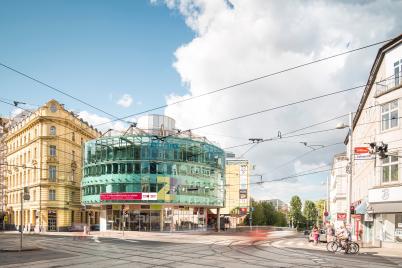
[61, 92]
[207, 93]
[259, 77]
[247, 115]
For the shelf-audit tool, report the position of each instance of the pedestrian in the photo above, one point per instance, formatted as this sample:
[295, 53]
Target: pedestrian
[316, 235]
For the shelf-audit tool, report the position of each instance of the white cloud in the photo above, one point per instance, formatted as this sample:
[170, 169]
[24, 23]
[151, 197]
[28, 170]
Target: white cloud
[103, 123]
[125, 101]
[253, 38]
[16, 111]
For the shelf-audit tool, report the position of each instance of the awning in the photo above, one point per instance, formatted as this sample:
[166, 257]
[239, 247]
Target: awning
[391, 207]
[362, 208]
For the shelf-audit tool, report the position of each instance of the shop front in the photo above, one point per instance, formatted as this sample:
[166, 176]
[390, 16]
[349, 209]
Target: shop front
[385, 204]
[152, 218]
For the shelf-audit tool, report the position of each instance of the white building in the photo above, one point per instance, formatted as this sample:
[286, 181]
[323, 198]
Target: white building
[337, 190]
[376, 183]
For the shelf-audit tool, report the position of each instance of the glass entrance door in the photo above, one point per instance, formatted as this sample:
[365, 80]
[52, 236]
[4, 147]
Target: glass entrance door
[52, 221]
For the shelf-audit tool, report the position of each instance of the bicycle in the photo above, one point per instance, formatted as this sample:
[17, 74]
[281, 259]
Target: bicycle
[349, 247]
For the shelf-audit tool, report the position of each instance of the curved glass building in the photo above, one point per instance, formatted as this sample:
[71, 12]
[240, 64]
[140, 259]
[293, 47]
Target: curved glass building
[154, 179]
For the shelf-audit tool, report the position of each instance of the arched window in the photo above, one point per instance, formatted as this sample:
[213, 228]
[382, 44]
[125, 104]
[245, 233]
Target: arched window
[52, 130]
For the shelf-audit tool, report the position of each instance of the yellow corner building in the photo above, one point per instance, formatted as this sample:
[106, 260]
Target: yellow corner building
[237, 194]
[44, 156]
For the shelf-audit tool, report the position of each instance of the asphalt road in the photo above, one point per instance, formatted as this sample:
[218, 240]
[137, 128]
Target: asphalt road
[180, 250]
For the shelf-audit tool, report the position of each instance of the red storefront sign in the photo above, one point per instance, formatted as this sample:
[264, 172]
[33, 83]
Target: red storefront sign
[243, 211]
[341, 216]
[120, 196]
[361, 150]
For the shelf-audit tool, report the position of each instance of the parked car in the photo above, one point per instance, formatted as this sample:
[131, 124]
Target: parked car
[322, 237]
[95, 227]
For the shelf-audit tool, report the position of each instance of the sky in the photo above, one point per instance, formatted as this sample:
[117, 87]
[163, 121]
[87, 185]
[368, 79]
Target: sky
[129, 56]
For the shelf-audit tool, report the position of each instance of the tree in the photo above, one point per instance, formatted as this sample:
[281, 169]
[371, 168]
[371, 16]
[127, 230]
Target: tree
[295, 213]
[321, 205]
[265, 214]
[310, 212]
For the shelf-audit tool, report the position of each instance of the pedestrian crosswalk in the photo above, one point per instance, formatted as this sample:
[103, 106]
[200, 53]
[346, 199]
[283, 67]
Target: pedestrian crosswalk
[297, 243]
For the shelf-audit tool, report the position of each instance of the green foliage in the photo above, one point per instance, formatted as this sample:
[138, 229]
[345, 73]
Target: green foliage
[310, 212]
[320, 205]
[265, 214]
[295, 213]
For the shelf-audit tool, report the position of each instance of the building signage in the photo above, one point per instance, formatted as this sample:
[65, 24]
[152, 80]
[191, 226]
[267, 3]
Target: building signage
[120, 196]
[362, 153]
[243, 211]
[243, 194]
[341, 216]
[243, 177]
[389, 194]
[128, 196]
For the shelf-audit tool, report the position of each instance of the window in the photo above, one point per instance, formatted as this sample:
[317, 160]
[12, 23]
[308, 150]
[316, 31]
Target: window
[73, 154]
[390, 169]
[389, 115]
[53, 130]
[73, 136]
[52, 150]
[52, 173]
[52, 195]
[397, 72]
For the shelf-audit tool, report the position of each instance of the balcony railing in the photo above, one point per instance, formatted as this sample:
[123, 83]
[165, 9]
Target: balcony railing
[388, 84]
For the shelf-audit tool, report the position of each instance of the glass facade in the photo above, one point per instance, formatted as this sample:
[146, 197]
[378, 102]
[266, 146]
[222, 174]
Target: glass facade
[146, 169]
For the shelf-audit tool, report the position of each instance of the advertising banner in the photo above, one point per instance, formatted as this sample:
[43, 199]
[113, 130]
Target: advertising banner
[128, 196]
[243, 211]
[243, 177]
[120, 196]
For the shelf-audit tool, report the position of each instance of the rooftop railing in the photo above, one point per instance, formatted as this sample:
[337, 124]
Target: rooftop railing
[388, 84]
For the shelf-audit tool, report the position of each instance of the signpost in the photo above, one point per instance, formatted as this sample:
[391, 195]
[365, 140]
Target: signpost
[362, 153]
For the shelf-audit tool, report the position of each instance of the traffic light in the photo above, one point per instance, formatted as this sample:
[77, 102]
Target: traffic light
[352, 210]
[383, 150]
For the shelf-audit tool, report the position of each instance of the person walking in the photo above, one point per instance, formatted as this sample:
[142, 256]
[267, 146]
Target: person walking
[316, 235]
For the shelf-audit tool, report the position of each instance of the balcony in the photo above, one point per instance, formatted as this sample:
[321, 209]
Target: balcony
[52, 159]
[388, 84]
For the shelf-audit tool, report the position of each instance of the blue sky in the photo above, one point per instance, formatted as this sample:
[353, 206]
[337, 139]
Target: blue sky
[94, 50]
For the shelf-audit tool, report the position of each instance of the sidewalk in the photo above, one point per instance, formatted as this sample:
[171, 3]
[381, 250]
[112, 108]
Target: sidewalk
[301, 243]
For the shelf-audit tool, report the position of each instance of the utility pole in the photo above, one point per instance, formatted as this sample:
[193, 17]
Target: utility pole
[350, 171]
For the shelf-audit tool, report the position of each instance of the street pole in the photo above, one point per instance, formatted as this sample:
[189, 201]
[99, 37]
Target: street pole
[22, 219]
[251, 218]
[349, 190]
[328, 207]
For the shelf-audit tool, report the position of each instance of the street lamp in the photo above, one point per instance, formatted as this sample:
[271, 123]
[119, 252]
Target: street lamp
[349, 166]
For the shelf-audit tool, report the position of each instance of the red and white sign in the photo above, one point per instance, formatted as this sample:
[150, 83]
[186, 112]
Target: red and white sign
[120, 196]
[341, 216]
[149, 196]
[362, 153]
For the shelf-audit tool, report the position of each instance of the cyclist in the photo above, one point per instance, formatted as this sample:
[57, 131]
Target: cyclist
[343, 236]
